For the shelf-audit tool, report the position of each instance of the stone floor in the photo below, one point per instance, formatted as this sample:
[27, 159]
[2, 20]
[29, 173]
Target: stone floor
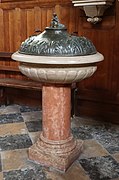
[19, 129]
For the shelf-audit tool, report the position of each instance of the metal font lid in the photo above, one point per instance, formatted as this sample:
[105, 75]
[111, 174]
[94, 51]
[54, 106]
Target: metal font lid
[55, 41]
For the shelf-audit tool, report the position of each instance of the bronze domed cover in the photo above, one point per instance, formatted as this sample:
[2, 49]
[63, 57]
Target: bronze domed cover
[55, 41]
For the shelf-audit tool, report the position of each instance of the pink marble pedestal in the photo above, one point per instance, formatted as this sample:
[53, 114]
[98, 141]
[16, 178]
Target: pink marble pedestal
[56, 146]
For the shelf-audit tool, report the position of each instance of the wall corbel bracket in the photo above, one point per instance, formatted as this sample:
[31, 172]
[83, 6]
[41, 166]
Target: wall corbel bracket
[94, 9]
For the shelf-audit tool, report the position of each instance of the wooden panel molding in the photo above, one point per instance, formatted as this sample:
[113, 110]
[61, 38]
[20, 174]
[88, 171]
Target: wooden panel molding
[11, 4]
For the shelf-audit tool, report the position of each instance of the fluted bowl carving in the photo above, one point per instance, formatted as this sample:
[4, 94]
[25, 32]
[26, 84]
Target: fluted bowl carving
[57, 75]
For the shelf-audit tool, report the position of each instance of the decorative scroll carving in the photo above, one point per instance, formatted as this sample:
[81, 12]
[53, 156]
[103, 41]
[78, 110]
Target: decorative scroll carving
[62, 46]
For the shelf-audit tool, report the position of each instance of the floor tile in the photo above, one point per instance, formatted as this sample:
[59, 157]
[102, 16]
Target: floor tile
[34, 126]
[91, 148]
[95, 162]
[0, 164]
[10, 118]
[104, 134]
[15, 142]
[28, 109]
[101, 168]
[108, 137]
[11, 109]
[34, 136]
[25, 174]
[32, 116]
[116, 156]
[79, 121]
[75, 172]
[19, 159]
[1, 176]
[12, 129]
[82, 132]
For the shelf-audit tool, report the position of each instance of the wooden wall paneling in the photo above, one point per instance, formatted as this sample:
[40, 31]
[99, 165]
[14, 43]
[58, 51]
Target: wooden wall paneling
[65, 15]
[12, 38]
[6, 31]
[30, 22]
[12, 32]
[50, 12]
[23, 30]
[43, 18]
[102, 35]
[1, 31]
[2, 63]
[58, 10]
[72, 27]
[40, 1]
[22, 18]
[98, 95]
[102, 78]
[21, 23]
[37, 14]
[31, 4]
[68, 15]
[115, 65]
[17, 28]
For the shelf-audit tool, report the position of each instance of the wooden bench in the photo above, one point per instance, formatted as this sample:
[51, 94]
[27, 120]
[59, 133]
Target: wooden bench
[11, 89]
[9, 83]
[22, 84]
